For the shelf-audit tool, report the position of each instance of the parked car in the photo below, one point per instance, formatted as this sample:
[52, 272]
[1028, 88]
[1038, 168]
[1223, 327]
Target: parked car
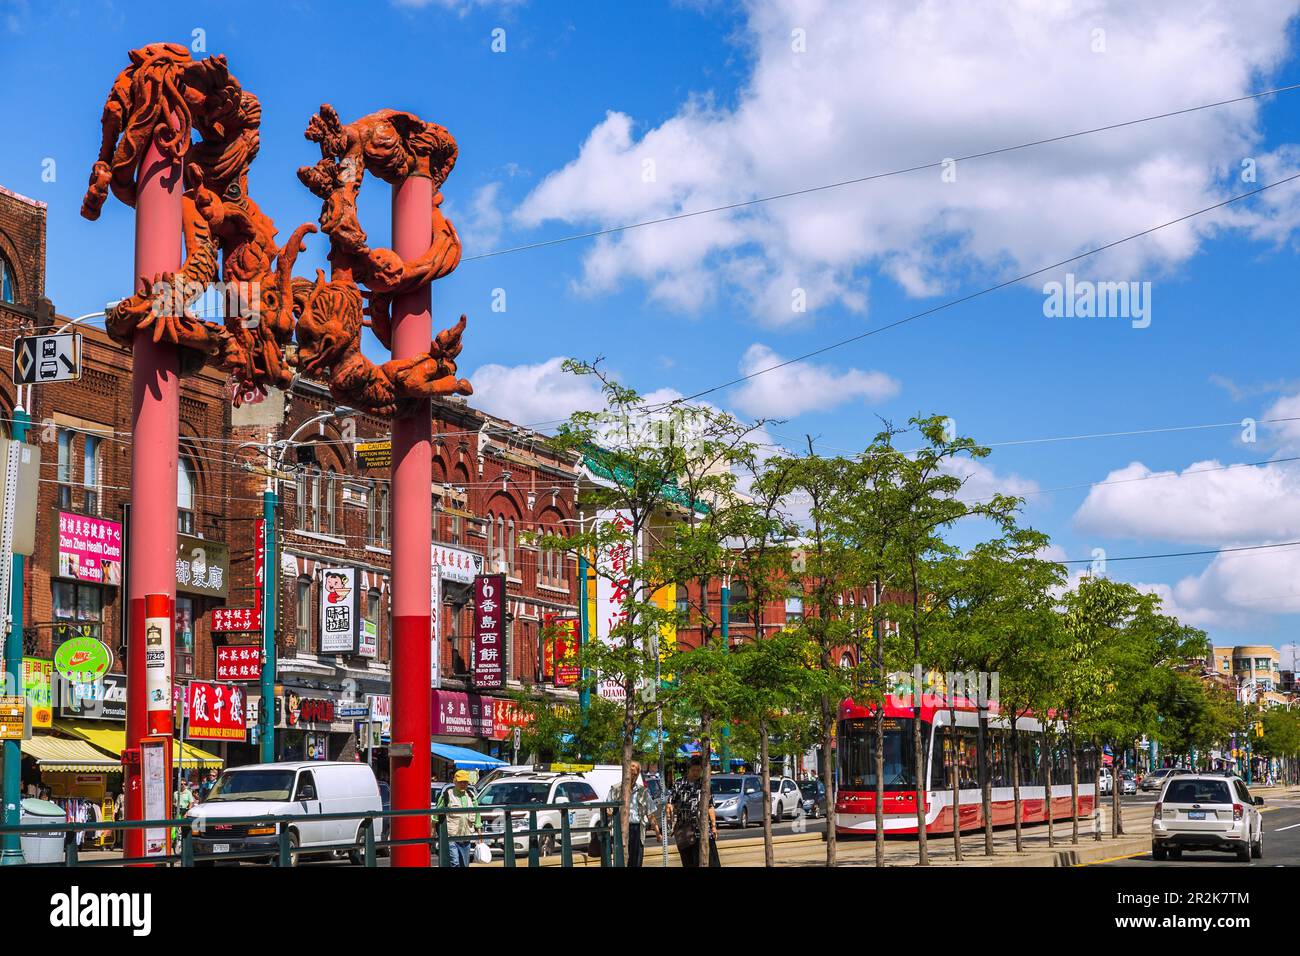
[786, 798]
[554, 794]
[305, 790]
[1128, 783]
[1105, 782]
[813, 793]
[737, 798]
[601, 776]
[1207, 812]
[1156, 779]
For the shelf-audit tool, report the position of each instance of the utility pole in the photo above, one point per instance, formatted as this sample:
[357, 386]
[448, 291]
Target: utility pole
[11, 852]
[725, 760]
[584, 691]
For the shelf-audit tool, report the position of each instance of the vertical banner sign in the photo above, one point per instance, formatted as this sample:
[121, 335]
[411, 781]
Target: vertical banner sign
[340, 611]
[259, 565]
[489, 629]
[158, 662]
[435, 623]
[614, 584]
[567, 671]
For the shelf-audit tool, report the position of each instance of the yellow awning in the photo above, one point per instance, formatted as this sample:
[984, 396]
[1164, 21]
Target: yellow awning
[112, 738]
[69, 756]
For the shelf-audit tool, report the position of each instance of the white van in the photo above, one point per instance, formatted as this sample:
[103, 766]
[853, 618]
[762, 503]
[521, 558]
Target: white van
[302, 789]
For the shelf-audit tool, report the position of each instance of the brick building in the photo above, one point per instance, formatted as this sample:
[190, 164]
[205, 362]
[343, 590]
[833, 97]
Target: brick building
[493, 485]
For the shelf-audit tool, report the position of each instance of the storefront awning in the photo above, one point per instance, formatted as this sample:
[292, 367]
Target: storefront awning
[69, 756]
[112, 738]
[464, 758]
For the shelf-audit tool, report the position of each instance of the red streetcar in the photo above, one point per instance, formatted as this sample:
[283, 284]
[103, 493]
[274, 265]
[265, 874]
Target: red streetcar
[855, 801]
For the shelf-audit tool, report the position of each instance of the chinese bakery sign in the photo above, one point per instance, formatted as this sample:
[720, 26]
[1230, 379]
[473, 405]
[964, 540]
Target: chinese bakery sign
[614, 585]
[89, 549]
[216, 712]
[489, 630]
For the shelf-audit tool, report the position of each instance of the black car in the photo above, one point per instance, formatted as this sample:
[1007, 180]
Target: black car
[813, 793]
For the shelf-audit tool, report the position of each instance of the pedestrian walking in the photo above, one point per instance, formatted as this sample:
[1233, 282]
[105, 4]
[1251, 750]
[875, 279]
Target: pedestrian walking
[641, 814]
[460, 826]
[690, 828]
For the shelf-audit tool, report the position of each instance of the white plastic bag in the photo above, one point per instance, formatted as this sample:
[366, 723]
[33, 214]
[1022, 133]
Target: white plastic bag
[482, 853]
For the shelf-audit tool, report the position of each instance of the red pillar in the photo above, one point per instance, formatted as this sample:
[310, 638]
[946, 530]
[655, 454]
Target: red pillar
[412, 535]
[155, 423]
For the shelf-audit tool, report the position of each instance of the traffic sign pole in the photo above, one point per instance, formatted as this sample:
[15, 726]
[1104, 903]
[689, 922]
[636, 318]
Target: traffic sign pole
[11, 852]
[270, 575]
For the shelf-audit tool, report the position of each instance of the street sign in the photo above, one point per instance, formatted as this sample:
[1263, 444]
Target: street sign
[41, 359]
[374, 454]
[13, 719]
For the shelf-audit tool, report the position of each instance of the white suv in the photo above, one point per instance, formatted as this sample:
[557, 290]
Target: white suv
[1204, 812]
[554, 794]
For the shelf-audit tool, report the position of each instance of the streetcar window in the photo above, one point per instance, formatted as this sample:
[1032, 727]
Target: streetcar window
[857, 758]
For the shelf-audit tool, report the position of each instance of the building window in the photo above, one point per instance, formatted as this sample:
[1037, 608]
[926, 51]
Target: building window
[184, 650]
[184, 496]
[510, 552]
[304, 614]
[490, 550]
[457, 525]
[65, 470]
[6, 281]
[794, 608]
[313, 498]
[78, 609]
[90, 474]
[330, 514]
[683, 606]
[738, 605]
[377, 519]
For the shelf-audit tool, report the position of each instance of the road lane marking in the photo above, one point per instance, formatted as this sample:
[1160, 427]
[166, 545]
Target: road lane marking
[1291, 827]
[1112, 859]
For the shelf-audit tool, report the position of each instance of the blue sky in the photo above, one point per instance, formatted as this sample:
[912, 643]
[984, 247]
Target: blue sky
[599, 114]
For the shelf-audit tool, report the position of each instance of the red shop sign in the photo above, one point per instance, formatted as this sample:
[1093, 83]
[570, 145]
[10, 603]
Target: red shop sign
[238, 663]
[216, 712]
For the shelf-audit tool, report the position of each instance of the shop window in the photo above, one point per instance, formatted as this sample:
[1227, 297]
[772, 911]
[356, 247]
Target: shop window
[90, 474]
[304, 614]
[78, 609]
[183, 658]
[65, 470]
[373, 604]
[184, 496]
[6, 281]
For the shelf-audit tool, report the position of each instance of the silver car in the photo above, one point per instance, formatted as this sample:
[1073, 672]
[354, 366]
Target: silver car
[1207, 812]
[737, 799]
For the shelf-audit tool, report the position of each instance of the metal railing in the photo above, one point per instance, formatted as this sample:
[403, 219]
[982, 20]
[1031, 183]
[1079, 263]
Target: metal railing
[192, 841]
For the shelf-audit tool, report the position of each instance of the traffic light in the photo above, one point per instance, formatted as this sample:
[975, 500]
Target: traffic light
[1259, 728]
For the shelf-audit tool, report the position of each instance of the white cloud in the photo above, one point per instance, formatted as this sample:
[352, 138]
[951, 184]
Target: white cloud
[480, 227]
[981, 482]
[803, 387]
[894, 83]
[537, 395]
[1203, 504]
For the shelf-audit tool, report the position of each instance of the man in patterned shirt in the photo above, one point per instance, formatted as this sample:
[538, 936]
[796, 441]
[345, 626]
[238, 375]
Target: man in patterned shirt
[685, 820]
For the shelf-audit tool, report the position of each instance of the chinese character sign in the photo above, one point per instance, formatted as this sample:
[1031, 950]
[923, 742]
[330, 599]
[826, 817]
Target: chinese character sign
[216, 712]
[239, 663]
[489, 630]
[340, 611]
[89, 549]
[615, 586]
[237, 619]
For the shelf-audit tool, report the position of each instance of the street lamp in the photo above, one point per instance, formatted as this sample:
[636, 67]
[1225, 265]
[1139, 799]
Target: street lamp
[275, 452]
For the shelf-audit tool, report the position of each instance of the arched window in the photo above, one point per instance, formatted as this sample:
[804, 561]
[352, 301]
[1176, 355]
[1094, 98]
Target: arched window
[377, 526]
[491, 539]
[738, 604]
[7, 291]
[510, 548]
[184, 495]
[313, 498]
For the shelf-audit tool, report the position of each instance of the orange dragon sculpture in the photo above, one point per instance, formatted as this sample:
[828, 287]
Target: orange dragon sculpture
[166, 96]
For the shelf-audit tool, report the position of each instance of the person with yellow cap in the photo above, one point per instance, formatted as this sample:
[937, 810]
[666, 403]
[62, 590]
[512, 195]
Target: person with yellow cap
[460, 826]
